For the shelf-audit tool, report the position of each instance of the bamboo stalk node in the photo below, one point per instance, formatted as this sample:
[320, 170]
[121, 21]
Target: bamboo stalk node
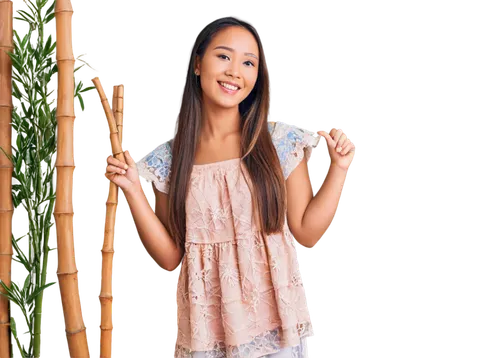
[69, 59]
[71, 333]
[120, 152]
[64, 6]
[7, 47]
[113, 131]
[64, 116]
[66, 273]
[105, 297]
[112, 251]
[106, 300]
[62, 213]
[111, 203]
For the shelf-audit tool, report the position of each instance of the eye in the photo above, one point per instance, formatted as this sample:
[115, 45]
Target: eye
[220, 56]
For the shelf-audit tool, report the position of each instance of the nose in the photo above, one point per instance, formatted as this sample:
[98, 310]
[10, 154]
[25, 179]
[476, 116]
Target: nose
[233, 70]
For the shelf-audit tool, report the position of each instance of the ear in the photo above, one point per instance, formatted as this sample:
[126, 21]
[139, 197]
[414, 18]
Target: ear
[197, 63]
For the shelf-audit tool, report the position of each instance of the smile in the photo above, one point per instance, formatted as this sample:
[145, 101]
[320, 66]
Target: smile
[228, 88]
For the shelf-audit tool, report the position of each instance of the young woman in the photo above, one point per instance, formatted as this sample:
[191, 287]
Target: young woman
[229, 207]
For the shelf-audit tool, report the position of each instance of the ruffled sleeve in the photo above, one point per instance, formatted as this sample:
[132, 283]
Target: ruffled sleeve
[291, 144]
[155, 166]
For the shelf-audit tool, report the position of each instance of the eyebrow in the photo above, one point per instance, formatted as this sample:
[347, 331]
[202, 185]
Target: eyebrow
[232, 50]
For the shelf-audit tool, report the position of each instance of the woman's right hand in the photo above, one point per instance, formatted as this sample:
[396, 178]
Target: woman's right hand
[124, 175]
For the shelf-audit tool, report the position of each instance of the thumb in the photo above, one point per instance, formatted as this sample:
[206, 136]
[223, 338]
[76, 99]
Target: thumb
[128, 159]
[328, 138]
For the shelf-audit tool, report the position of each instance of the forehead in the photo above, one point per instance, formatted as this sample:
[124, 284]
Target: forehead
[236, 37]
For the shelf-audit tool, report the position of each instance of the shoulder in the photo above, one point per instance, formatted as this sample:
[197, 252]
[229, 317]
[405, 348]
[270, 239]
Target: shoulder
[155, 165]
[292, 144]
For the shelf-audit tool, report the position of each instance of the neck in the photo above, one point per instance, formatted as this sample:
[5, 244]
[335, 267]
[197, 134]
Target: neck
[217, 126]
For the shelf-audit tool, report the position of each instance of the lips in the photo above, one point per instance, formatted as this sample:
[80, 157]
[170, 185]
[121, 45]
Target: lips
[229, 85]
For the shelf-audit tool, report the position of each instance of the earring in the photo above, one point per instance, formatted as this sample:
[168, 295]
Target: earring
[196, 73]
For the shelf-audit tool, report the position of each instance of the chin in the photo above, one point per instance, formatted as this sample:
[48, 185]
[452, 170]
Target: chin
[227, 102]
[227, 105]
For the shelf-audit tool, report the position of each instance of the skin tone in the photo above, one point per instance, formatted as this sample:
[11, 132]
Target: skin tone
[308, 215]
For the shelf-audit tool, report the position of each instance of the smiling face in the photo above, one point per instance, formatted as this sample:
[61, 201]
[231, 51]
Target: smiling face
[232, 58]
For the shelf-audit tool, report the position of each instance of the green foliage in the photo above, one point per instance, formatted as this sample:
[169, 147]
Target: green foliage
[36, 126]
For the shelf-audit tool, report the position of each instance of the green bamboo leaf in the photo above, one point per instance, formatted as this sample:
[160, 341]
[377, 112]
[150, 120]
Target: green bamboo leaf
[9, 156]
[16, 290]
[48, 14]
[26, 283]
[78, 68]
[47, 45]
[87, 89]
[23, 16]
[81, 91]
[18, 343]
[11, 294]
[16, 296]
[46, 287]
[21, 48]
[20, 253]
[50, 208]
[38, 291]
[6, 288]
[40, 5]
[16, 141]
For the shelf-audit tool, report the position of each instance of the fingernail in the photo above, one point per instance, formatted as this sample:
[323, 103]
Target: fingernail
[126, 166]
[339, 149]
[123, 171]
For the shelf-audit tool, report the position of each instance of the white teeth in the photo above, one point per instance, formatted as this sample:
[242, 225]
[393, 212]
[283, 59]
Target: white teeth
[232, 88]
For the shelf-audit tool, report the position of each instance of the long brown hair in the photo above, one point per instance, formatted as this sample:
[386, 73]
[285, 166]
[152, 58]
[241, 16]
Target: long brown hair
[257, 149]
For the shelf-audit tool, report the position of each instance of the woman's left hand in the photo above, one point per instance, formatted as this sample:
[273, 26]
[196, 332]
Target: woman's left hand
[341, 149]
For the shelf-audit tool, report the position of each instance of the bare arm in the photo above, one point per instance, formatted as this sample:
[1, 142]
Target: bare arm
[321, 210]
[309, 217]
[154, 236]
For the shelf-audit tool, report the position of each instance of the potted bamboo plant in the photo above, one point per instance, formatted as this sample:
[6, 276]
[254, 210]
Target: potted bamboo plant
[30, 161]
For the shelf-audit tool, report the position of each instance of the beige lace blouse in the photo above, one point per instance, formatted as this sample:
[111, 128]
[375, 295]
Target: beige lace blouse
[239, 293]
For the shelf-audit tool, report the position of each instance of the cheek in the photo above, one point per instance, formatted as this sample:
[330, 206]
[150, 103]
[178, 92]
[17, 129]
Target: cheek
[209, 81]
[210, 69]
[251, 81]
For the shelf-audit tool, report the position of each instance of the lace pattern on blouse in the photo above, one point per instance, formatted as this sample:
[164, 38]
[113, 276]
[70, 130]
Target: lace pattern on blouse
[291, 144]
[155, 166]
[262, 346]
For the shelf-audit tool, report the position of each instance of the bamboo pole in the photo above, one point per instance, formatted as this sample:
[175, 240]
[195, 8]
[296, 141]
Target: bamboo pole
[124, 121]
[119, 110]
[6, 169]
[63, 211]
[116, 146]
[114, 102]
[106, 297]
